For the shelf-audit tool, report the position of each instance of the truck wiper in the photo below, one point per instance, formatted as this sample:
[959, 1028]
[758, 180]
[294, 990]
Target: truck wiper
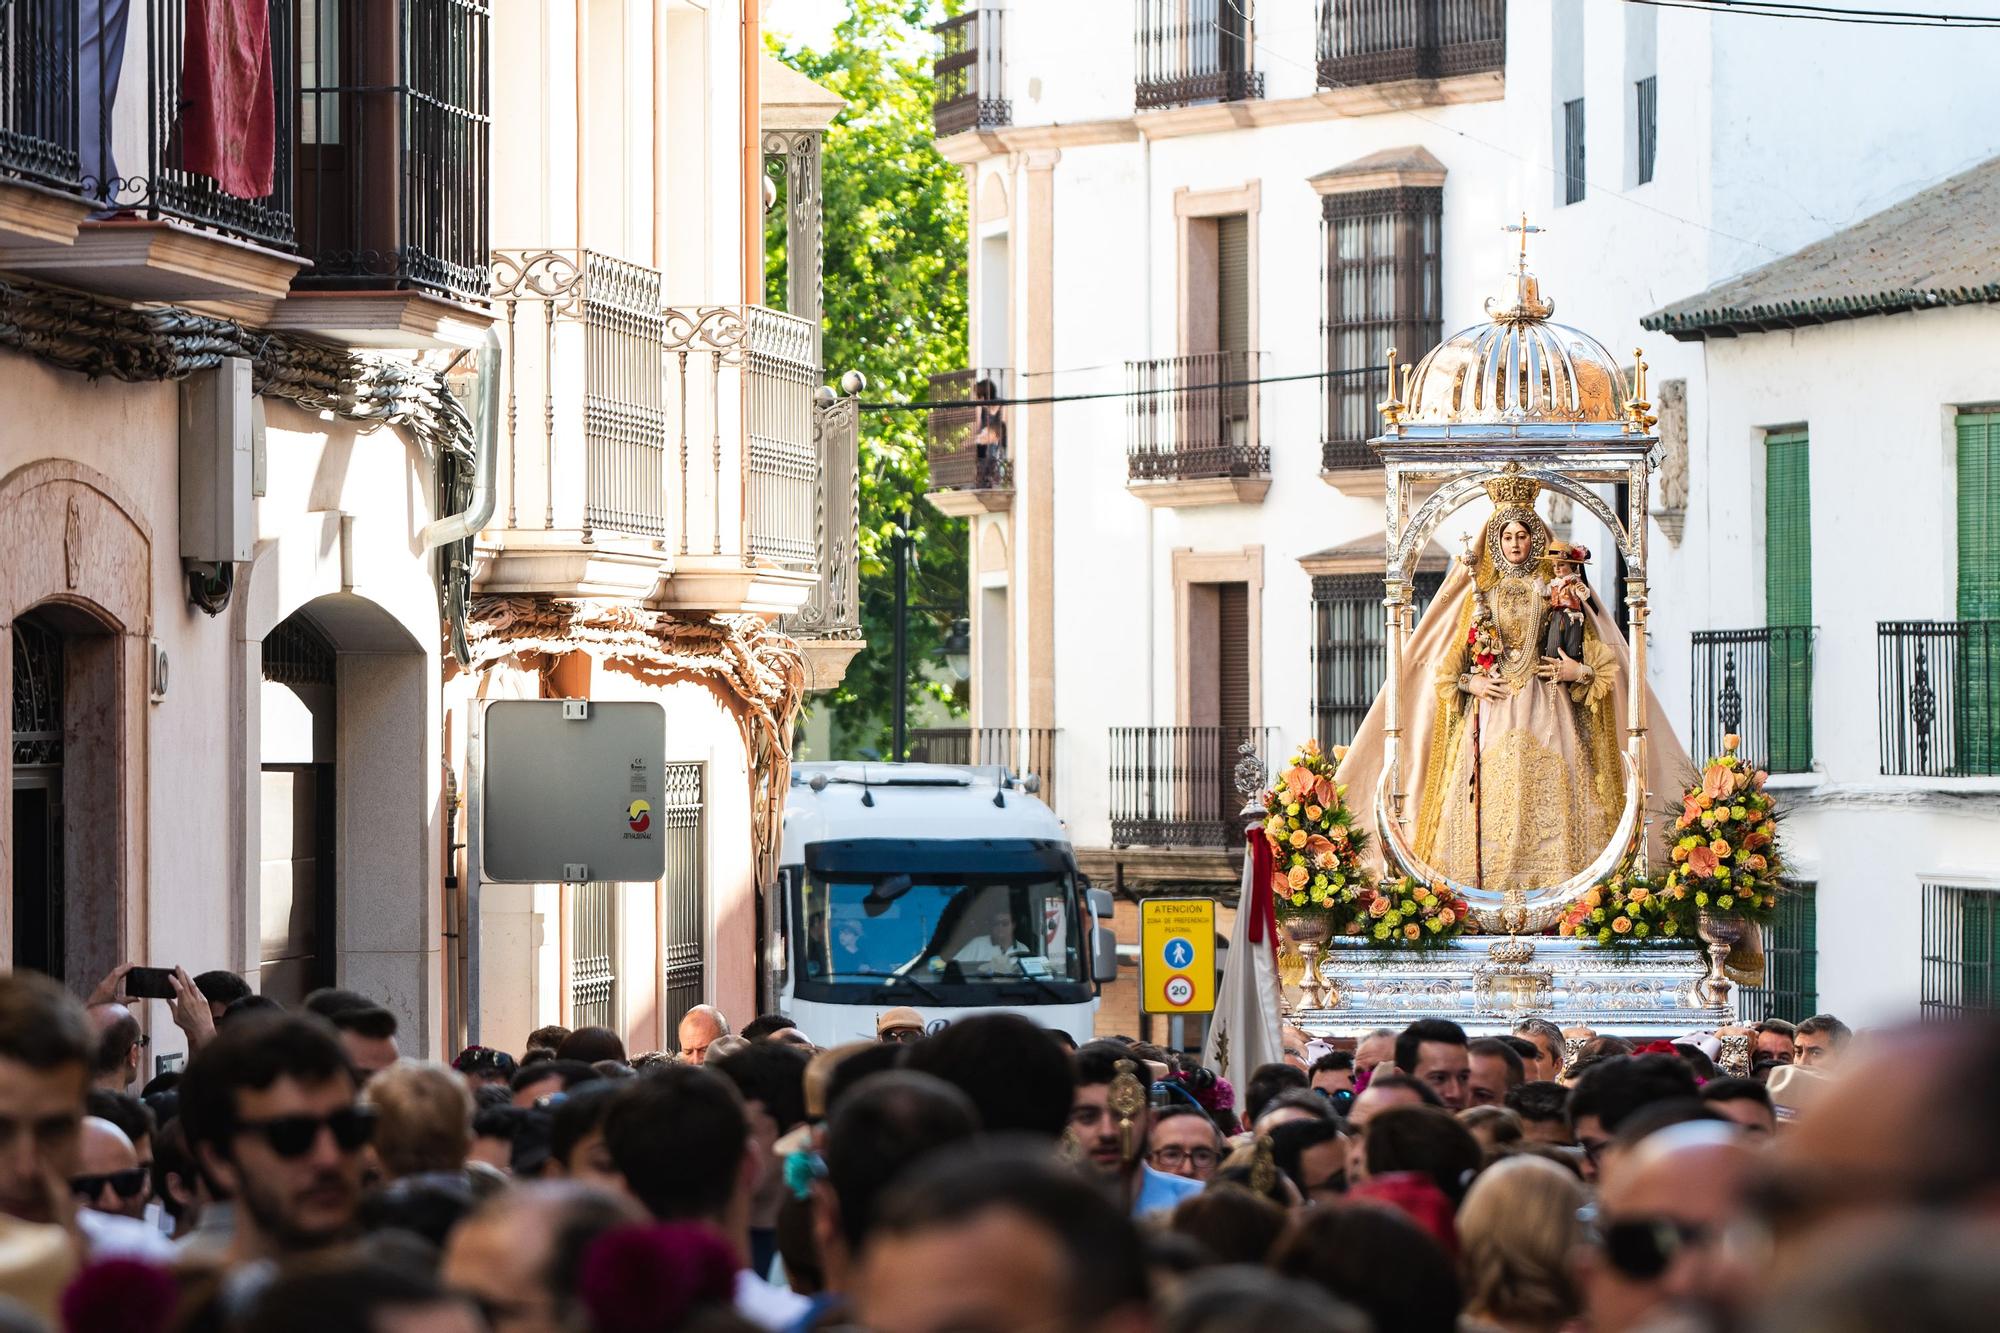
[913, 983]
[1039, 985]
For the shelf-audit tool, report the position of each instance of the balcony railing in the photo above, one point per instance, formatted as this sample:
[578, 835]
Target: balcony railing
[1022, 751]
[392, 145]
[1194, 416]
[38, 94]
[1194, 51]
[143, 138]
[1176, 786]
[968, 78]
[1384, 41]
[833, 610]
[1940, 702]
[1755, 684]
[968, 445]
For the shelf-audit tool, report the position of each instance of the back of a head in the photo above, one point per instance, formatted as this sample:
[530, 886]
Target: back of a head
[339, 1295]
[116, 1038]
[1615, 1087]
[426, 1205]
[1266, 1082]
[133, 1118]
[1541, 1101]
[581, 1111]
[772, 1073]
[1106, 1260]
[424, 1118]
[1376, 1259]
[1016, 1074]
[570, 1072]
[591, 1044]
[547, 1038]
[1518, 1232]
[1314, 1106]
[41, 1026]
[1234, 1225]
[1240, 1298]
[1425, 1139]
[677, 1135]
[763, 1025]
[1289, 1142]
[220, 987]
[881, 1129]
[351, 1011]
[256, 1052]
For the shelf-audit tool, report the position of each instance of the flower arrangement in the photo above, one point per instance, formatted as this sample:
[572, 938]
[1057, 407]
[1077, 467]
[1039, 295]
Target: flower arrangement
[1483, 638]
[1630, 908]
[1315, 845]
[1407, 913]
[1725, 854]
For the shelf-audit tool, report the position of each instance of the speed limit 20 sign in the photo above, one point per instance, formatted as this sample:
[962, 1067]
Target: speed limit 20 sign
[1177, 955]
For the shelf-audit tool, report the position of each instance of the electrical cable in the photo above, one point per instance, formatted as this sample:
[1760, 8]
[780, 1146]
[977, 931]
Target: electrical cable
[926, 405]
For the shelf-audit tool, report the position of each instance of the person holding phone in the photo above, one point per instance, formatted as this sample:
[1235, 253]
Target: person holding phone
[127, 982]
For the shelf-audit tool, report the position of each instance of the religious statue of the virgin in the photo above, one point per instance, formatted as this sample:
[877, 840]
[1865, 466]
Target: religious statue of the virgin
[1512, 753]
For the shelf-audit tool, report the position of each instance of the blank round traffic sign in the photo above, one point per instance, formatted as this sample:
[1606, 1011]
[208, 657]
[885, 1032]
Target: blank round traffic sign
[1179, 991]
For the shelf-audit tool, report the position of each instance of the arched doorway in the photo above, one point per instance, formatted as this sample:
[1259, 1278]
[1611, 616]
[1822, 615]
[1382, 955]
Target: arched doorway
[38, 809]
[297, 811]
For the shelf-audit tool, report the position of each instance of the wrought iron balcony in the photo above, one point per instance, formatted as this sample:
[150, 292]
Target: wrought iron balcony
[392, 146]
[1940, 700]
[1176, 786]
[1022, 751]
[968, 78]
[38, 93]
[1193, 51]
[1386, 41]
[1755, 684]
[832, 611]
[968, 444]
[1194, 417]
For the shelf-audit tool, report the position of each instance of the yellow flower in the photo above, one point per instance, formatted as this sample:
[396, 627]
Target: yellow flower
[1379, 907]
[1413, 931]
[1622, 925]
[1720, 847]
[1298, 837]
[1298, 900]
[1447, 916]
[1594, 898]
[1636, 896]
[1313, 813]
[1298, 877]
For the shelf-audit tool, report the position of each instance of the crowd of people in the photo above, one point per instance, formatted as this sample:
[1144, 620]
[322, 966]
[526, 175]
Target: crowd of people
[302, 1174]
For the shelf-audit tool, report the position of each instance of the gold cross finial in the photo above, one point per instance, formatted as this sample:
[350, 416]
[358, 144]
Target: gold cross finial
[1526, 229]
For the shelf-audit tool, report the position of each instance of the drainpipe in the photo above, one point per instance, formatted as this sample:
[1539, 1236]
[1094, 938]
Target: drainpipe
[485, 430]
[1146, 322]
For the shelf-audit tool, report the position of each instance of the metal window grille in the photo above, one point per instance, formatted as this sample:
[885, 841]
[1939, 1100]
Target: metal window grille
[1573, 152]
[1382, 273]
[968, 78]
[38, 695]
[1194, 416]
[1384, 41]
[1961, 944]
[1175, 786]
[1193, 51]
[392, 144]
[1940, 697]
[1647, 95]
[296, 652]
[1791, 962]
[1347, 648]
[968, 444]
[684, 929]
[1755, 684]
[593, 947]
[38, 92]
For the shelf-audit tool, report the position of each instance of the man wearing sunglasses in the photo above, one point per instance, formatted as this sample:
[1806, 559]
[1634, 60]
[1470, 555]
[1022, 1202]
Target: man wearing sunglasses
[1659, 1226]
[269, 1109]
[109, 1177]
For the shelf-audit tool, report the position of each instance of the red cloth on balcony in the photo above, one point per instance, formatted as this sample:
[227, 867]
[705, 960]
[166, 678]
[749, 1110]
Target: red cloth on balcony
[229, 121]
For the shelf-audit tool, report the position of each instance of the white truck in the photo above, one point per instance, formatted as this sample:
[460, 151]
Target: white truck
[950, 890]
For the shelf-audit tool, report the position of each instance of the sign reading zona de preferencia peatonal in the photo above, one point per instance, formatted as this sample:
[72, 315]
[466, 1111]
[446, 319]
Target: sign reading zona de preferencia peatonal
[1177, 955]
[570, 791]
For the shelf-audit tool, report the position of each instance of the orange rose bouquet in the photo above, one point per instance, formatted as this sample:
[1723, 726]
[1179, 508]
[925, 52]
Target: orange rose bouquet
[1315, 844]
[1631, 908]
[1408, 914]
[1725, 852]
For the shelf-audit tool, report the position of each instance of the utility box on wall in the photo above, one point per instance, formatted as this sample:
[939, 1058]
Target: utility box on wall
[216, 432]
[571, 791]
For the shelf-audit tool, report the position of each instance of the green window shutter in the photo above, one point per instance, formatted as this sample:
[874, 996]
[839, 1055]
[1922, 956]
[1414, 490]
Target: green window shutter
[1977, 712]
[1788, 599]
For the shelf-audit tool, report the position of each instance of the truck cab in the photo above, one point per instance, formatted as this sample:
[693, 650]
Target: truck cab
[950, 890]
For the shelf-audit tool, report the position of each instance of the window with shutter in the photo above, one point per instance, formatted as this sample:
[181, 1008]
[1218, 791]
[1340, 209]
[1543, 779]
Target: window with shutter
[1978, 719]
[1232, 673]
[1573, 181]
[1232, 318]
[1791, 962]
[1788, 599]
[1382, 273]
[1347, 649]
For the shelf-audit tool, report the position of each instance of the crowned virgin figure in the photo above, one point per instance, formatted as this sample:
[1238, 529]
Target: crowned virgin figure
[1512, 758]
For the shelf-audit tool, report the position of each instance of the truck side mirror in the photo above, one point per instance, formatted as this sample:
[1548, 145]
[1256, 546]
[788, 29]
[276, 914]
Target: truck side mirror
[1101, 904]
[1103, 955]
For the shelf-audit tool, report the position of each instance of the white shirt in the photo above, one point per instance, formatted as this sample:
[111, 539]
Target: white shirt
[113, 1236]
[767, 1306]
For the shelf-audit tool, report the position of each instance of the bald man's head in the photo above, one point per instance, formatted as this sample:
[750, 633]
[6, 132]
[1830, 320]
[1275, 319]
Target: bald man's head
[521, 1251]
[699, 1029]
[1662, 1208]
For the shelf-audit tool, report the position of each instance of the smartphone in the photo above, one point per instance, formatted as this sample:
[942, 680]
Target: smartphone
[150, 983]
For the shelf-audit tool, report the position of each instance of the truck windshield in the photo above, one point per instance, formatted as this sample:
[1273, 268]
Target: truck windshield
[963, 928]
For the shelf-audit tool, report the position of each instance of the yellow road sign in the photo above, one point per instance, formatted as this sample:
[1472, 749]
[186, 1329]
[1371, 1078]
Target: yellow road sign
[1177, 955]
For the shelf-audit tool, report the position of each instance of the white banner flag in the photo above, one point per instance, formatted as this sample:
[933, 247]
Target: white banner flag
[1245, 1030]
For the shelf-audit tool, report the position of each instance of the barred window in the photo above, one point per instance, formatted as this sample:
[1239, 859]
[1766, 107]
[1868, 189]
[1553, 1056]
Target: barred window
[1382, 276]
[1791, 962]
[1573, 179]
[1646, 95]
[1961, 958]
[1347, 648]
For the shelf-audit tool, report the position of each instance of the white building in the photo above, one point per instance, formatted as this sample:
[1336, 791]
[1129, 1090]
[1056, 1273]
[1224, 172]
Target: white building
[1286, 191]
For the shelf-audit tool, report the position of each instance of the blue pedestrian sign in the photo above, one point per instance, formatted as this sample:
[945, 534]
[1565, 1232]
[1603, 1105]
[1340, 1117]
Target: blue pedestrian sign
[1179, 953]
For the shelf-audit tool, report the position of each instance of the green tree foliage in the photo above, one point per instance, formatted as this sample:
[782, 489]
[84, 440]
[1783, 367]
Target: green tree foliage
[895, 242]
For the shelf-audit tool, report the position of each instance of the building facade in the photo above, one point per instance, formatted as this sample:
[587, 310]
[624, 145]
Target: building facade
[442, 397]
[1204, 267]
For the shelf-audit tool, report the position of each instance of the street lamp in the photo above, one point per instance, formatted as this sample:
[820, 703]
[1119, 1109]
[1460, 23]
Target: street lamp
[958, 649]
